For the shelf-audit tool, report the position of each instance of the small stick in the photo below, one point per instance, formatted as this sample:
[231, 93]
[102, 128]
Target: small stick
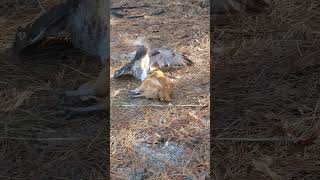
[280, 139]
[130, 7]
[133, 17]
[82, 73]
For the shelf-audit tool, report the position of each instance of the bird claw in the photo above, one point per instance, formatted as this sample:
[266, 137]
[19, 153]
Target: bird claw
[134, 92]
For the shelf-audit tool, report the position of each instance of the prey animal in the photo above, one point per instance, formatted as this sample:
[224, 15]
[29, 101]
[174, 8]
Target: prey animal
[145, 60]
[155, 86]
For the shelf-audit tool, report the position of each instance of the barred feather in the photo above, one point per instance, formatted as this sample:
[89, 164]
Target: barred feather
[164, 57]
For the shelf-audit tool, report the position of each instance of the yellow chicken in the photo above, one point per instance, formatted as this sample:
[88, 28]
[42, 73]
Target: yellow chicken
[155, 86]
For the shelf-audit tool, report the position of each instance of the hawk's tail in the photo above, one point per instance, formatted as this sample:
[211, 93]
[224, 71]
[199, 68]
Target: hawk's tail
[163, 57]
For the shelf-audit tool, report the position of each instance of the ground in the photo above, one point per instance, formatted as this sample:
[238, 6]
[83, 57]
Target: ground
[153, 138]
[265, 92]
[265, 89]
[39, 141]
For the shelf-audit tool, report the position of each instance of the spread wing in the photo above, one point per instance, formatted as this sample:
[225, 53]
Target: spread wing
[230, 6]
[140, 53]
[123, 69]
[163, 57]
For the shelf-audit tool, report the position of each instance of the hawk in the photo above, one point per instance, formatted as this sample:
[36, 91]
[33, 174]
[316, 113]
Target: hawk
[146, 60]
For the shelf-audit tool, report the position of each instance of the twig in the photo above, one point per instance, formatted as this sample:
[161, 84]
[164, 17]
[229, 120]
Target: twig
[116, 14]
[82, 73]
[130, 7]
[133, 17]
[279, 139]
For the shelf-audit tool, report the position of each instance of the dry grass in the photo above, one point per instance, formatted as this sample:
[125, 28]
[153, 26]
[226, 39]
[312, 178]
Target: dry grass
[147, 136]
[266, 85]
[136, 131]
[37, 140]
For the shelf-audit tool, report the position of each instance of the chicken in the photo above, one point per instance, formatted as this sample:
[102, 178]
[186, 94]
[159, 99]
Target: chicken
[144, 61]
[155, 86]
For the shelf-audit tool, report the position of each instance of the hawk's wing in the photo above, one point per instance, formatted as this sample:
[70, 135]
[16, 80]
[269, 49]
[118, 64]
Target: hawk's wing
[140, 53]
[230, 6]
[124, 69]
[163, 57]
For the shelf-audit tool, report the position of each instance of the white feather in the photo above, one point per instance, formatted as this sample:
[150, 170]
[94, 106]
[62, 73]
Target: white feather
[140, 41]
[131, 55]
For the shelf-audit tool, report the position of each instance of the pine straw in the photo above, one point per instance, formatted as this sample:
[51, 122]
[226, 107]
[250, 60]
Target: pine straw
[187, 127]
[265, 85]
[37, 140]
[183, 27]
